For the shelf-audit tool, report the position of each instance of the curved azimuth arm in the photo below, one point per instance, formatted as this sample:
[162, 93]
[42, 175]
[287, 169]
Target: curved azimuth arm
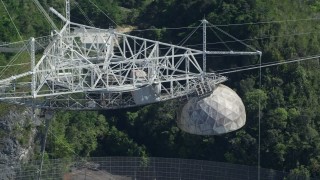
[91, 68]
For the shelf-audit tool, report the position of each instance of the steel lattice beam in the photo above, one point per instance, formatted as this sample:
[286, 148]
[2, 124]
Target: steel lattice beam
[92, 68]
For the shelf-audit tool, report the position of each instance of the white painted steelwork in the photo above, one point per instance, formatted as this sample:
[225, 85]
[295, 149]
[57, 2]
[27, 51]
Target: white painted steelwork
[84, 67]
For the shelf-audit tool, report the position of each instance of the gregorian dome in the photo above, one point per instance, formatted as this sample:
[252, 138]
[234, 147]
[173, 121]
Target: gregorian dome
[222, 112]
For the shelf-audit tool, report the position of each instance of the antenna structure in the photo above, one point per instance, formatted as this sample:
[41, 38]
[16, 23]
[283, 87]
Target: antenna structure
[84, 67]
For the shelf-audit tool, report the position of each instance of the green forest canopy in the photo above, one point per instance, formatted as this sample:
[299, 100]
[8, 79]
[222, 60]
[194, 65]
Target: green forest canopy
[290, 123]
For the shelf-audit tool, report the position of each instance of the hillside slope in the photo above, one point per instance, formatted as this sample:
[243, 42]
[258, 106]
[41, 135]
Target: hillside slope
[289, 94]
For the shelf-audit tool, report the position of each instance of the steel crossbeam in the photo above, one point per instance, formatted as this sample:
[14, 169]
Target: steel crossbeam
[90, 68]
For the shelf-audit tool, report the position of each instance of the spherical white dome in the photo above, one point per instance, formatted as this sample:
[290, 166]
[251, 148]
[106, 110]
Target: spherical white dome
[222, 112]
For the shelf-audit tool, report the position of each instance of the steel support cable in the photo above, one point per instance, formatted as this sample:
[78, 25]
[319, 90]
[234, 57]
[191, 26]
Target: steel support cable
[53, 25]
[251, 39]
[83, 13]
[21, 64]
[268, 65]
[12, 43]
[259, 117]
[244, 67]
[234, 38]
[103, 13]
[64, 144]
[224, 43]
[5, 7]
[48, 124]
[42, 42]
[250, 23]
[12, 61]
[188, 37]
[227, 25]
[266, 22]
[43, 148]
[248, 39]
[250, 67]
[23, 48]
[23, 41]
[184, 40]
[222, 71]
[2, 72]
[40, 45]
[176, 28]
[263, 37]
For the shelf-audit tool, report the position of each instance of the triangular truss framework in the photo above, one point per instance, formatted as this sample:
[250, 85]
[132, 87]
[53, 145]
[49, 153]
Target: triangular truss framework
[92, 68]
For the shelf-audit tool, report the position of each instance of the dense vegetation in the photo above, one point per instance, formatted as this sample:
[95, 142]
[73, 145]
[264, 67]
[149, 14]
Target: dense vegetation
[290, 103]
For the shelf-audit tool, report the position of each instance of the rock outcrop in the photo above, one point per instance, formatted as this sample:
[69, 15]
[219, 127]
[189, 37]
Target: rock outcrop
[17, 139]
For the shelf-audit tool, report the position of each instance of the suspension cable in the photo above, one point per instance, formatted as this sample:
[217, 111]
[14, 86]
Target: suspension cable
[53, 25]
[2, 44]
[260, 38]
[103, 13]
[266, 22]
[224, 43]
[232, 37]
[65, 144]
[264, 65]
[165, 28]
[12, 65]
[12, 61]
[83, 13]
[12, 20]
[227, 25]
[259, 118]
[183, 41]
